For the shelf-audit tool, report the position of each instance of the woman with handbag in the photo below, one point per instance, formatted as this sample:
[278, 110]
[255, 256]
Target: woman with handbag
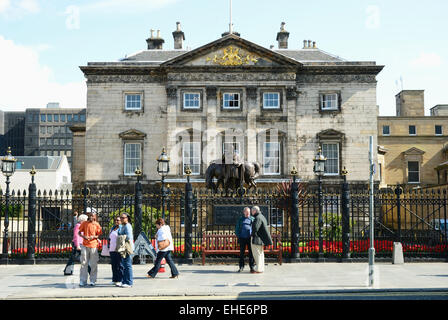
[164, 248]
[115, 259]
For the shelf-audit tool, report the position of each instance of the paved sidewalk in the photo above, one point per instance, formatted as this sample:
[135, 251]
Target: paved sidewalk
[221, 281]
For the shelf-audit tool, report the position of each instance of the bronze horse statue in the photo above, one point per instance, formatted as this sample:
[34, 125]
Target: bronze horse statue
[251, 171]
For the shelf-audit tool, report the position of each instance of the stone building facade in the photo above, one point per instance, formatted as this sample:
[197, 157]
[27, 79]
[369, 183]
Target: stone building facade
[273, 106]
[414, 145]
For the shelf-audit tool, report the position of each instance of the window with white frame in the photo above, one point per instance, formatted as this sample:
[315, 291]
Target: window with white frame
[271, 158]
[231, 100]
[438, 130]
[133, 101]
[329, 101]
[192, 157]
[192, 100]
[132, 158]
[271, 100]
[386, 130]
[413, 172]
[330, 150]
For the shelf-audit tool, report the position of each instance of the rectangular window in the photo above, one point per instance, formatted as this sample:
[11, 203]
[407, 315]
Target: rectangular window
[49, 118]
[231, 100]
[43, 118]
[62, 142]
[329, 101]
[413, 172]
[69, 142]
[133, 101]
[132, 158]
[56, 142]
[192, 157]
[49, 142]
[438, 130]
[231, 147]
[386, 130]
[62, 117]
[82, 117]
[69, 117]
[56, 129]
[69, 153]
[331, 152]
[50, 130]
[41, 141]
[271, 158]
[192, 100]
[276, 218]
[56, 118]
[271, 100]
[412, 130]
[43, 130]
[75, 118]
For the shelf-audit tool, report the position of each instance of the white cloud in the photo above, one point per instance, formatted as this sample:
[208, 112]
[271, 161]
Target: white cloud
[4, 5]
[127, 4]
[16, 9]
[427, 60]
[26, 83]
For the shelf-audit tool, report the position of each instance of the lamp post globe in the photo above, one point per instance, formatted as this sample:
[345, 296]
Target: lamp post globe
[8, 164]
[163, 166]
[319, 163]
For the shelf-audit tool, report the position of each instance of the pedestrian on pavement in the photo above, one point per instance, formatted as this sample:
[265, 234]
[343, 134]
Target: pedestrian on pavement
[164, 247]
[76, 246]
[126, 259]
[90, 231]
[243, 231]
[115, 259]
[260, 237]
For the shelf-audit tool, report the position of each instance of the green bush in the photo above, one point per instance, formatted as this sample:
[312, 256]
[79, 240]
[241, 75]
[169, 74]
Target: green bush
[15, 210]
[149, 217]
[332, 227]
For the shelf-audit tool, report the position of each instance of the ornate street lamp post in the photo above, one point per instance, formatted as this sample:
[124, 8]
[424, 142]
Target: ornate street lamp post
[8, 169]
[319, 170]
[163, 168]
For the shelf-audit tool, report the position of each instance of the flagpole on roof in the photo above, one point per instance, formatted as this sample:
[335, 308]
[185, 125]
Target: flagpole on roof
[230, 24]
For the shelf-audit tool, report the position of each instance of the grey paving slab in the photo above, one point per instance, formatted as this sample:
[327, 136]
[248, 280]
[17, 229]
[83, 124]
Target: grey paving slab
[48, 281]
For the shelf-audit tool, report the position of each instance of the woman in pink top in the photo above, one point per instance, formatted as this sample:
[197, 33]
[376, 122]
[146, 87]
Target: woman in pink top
[76, 243]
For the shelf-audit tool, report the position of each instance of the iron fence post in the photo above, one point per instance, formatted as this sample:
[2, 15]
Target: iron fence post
[188, 256]
[5, 255]
[345, 217]
[30, 255]
[320, 220]
[398, 192]
[295, 229]
[138, 201]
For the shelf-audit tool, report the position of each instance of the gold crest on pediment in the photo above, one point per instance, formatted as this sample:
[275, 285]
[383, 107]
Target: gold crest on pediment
[232, 56]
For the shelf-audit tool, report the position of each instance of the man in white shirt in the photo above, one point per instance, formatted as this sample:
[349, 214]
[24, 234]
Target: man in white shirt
[164, 248]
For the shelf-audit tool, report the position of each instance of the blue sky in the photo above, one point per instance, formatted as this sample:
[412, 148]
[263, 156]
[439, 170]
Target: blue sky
[43, 42]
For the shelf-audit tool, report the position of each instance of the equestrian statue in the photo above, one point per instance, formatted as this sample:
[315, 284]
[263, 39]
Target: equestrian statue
[231, 173]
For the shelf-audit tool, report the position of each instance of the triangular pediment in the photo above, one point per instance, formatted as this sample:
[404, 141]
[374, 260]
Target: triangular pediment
[231, 51]
[132, 134]
[330, 134]
[414, 151]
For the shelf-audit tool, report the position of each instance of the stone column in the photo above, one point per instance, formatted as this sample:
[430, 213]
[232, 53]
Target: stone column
[291, 151]
[171, 93]
[251, 130]
[211, 105]
[78, 156]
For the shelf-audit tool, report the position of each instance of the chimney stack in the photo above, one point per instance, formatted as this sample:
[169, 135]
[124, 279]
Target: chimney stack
[282, 37]
[155, 42]
[179, 37]
[308, 44]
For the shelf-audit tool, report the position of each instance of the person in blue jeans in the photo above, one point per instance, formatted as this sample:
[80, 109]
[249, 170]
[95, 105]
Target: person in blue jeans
[126, 229]
[115, 257]
[165, 247]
